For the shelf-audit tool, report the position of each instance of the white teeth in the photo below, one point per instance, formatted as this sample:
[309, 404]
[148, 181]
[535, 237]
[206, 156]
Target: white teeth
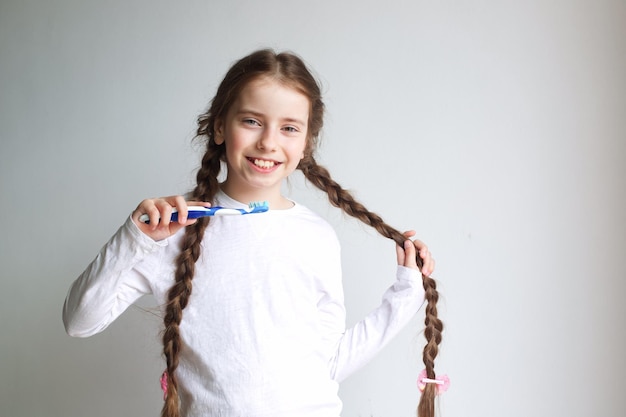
[263, 164]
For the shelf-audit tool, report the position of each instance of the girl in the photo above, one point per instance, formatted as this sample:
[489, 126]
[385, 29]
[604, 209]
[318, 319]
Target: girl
[263, 332]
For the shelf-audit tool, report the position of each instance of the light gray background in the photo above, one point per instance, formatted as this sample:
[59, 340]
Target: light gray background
[497, 129]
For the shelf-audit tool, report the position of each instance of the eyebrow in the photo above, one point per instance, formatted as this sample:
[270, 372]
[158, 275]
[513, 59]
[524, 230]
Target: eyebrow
[260, 115]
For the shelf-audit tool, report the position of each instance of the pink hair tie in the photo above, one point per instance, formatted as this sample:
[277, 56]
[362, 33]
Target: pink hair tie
[443, 382]
[164, 385]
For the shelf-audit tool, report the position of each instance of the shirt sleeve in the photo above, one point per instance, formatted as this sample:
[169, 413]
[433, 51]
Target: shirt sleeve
[359, 344]
[111, 282]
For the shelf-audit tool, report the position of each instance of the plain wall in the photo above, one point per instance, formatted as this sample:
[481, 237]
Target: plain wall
[496, 129]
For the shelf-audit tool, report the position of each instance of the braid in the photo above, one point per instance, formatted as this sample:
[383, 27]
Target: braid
[178, 295]
[338, 197]
[432, 332]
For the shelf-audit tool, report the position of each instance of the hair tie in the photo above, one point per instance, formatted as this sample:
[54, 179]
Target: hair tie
[442, 382]
[164, 385]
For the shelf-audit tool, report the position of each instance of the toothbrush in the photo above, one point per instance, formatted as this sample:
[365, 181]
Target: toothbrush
[195, 212]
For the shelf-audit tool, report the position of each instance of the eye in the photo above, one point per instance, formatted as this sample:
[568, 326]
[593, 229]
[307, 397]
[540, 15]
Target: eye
[251, 122]
[291, 129]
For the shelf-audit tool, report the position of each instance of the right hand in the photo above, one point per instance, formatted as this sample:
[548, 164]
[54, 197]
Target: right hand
[413, 248]
[159, 210]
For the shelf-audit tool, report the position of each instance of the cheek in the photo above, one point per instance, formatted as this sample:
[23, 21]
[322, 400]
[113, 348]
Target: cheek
[235, 144]
[232, 151]
[298, 149]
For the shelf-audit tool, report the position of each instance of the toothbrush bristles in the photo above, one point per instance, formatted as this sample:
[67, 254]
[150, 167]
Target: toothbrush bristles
[259, 206]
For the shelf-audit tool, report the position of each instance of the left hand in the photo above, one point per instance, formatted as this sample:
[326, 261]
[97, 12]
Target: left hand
[407, 256]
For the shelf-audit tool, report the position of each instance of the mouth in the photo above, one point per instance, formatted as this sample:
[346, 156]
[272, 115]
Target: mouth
[263, 163]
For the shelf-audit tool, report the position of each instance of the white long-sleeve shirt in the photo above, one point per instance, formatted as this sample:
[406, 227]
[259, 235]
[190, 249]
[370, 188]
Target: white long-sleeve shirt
[264, 331]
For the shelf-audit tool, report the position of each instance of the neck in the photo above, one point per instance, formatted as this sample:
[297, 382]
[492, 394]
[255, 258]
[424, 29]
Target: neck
[275, 200]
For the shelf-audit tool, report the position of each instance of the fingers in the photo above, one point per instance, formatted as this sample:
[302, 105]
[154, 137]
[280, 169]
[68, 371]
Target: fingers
[159, 212]
[407, 256]
[428, 262]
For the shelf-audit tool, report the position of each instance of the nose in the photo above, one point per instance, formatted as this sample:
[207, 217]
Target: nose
[268, 139]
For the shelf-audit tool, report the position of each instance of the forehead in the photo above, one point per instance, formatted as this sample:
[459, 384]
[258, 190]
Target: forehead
[269, 96]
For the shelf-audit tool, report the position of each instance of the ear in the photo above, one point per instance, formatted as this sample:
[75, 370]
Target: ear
[218, 128]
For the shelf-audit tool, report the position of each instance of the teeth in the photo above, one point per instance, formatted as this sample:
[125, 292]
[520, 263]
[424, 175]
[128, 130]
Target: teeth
[263, 164]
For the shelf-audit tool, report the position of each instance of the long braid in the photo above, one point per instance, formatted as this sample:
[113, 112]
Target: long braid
[178, 295]
[339, 197]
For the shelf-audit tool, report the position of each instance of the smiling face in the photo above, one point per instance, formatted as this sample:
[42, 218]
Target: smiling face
[265, 133]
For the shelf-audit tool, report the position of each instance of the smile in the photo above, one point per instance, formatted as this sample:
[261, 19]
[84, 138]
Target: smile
[263, 163]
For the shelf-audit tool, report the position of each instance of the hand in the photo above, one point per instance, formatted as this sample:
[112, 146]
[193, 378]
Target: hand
[159, 210]
[407, 256]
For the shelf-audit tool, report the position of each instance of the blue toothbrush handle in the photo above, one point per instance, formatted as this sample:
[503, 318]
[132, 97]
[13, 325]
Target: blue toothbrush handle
[196, 214]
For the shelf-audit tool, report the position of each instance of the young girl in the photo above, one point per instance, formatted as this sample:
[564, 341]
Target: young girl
[253, 312]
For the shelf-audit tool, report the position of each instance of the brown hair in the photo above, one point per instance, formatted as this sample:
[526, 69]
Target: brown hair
[289, 69]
